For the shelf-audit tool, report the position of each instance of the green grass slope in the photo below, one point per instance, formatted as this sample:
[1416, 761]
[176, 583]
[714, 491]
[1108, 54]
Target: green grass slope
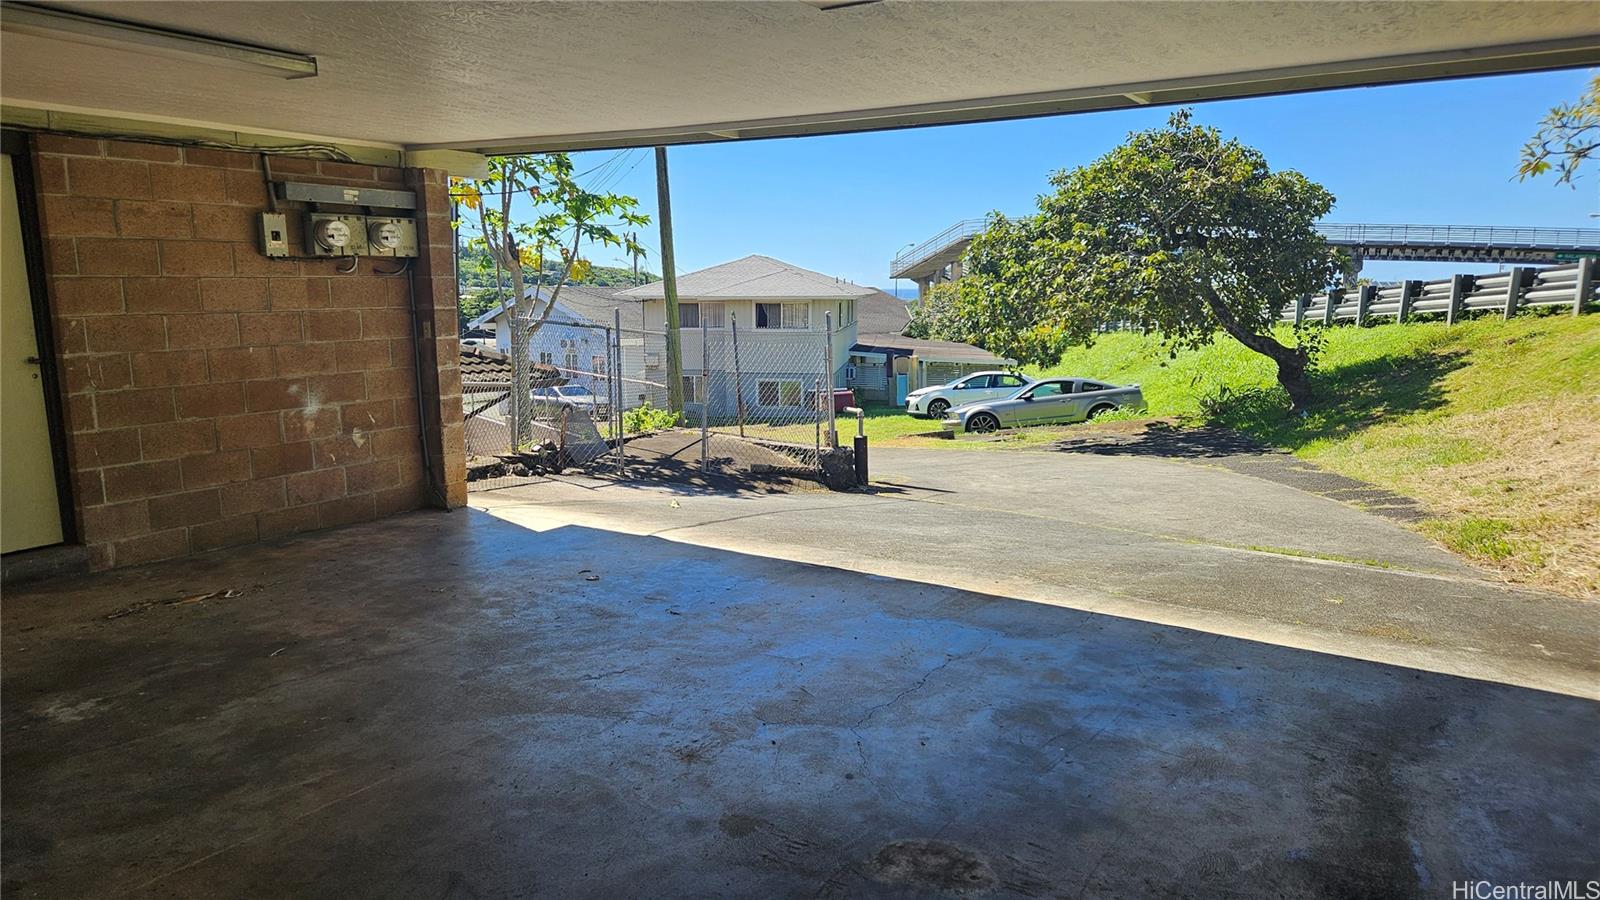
[1494, 425]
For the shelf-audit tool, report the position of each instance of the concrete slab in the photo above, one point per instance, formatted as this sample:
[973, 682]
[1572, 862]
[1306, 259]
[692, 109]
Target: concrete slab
[451, 705]
[1178, 544]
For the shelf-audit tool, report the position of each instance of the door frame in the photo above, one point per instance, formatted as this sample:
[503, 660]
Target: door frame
[19, 146]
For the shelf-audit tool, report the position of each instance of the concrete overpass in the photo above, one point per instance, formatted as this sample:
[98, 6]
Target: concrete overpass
[939, 258]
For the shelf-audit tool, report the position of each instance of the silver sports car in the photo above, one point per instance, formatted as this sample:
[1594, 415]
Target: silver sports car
[1052, 401]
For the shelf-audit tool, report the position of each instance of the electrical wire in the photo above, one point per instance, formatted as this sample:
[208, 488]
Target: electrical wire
[330, 151]
[604, 162]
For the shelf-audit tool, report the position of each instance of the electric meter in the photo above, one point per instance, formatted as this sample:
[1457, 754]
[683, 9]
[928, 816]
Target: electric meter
[382, 235]
[391, 236]
[332, 235]
[335, 235]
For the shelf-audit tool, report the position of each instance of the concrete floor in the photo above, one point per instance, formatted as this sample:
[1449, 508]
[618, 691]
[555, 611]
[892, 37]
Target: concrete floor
[1170, 542]
[454, 705]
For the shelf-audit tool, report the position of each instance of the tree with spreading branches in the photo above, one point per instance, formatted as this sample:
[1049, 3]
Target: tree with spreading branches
[559, 220]
[1178, 232]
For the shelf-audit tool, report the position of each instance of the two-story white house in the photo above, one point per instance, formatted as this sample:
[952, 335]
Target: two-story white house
[781, 313]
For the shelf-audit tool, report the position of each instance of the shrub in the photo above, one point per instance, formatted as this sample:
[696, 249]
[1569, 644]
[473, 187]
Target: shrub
[646, 417]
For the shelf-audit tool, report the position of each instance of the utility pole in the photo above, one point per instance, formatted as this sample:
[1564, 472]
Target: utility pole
[669, 283]
[633, 239]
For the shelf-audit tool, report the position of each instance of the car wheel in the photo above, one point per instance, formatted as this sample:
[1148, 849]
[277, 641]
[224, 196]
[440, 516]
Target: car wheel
[938, 408]
[983, 423]
[1100, 410]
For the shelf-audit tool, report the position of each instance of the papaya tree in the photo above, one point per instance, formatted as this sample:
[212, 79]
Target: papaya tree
[1178, 232]
[1567, 138]
[527, 212]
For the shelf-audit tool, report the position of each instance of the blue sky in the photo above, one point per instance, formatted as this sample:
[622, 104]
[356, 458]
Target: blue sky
[1438, 153]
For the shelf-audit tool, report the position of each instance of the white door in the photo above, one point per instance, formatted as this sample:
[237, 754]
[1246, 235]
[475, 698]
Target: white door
[30, 513]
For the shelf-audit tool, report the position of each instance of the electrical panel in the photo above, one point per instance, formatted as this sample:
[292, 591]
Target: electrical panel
[274, 234]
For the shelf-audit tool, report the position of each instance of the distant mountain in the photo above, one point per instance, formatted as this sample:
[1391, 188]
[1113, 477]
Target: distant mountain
[476, 273]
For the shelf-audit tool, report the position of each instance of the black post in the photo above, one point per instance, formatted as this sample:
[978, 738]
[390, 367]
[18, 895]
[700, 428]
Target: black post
[861, 460]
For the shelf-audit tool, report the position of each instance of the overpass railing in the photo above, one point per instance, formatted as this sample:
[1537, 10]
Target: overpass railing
[960, 231]
[1464, 236]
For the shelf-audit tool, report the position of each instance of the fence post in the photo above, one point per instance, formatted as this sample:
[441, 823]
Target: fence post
[1514, 289]
[1459, 285]
[705, 395]
[816, 438]
[1409, 291]
[827, 349]
[738, 380]
[1584, 285]
[1329, 302]
[1364, 294]
[1300, 310]
[617, 383]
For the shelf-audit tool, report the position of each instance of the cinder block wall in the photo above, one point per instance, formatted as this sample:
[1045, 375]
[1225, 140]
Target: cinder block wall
[216, 397]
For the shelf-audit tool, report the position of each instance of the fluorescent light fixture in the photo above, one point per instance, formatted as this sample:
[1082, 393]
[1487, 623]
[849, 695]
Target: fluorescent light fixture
[831, 5]
[42, 21]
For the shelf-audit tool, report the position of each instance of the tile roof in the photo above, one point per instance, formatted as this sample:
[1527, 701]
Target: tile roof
[480, 364]
[753, 277]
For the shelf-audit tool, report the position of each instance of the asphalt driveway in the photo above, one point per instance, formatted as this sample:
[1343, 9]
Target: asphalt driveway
[1180, 542]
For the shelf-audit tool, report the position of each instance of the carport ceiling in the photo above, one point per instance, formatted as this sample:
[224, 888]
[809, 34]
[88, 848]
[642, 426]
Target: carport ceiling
[532, 76]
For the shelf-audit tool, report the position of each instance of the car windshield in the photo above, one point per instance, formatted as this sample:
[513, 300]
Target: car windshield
[573, 390]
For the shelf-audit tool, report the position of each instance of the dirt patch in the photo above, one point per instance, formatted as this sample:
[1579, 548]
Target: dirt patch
[673, 457]
[932, 866]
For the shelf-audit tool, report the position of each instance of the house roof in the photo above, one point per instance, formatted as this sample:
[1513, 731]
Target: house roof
[588, 303]
[942, 351]
[753, 277]
[881, 312]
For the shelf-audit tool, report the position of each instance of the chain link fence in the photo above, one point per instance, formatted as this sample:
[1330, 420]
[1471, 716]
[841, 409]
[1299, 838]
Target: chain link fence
[566, 419]
[755, 401]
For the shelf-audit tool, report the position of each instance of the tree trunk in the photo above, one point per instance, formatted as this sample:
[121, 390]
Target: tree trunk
[1292, 375]
[521, 396]
[1292, 362]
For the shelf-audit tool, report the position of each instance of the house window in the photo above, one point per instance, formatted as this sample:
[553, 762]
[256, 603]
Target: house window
[597, 364]
[783, 315]
[779, 393]
[572, 360]
[712, 315]
[546, 358]
[694, 388]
